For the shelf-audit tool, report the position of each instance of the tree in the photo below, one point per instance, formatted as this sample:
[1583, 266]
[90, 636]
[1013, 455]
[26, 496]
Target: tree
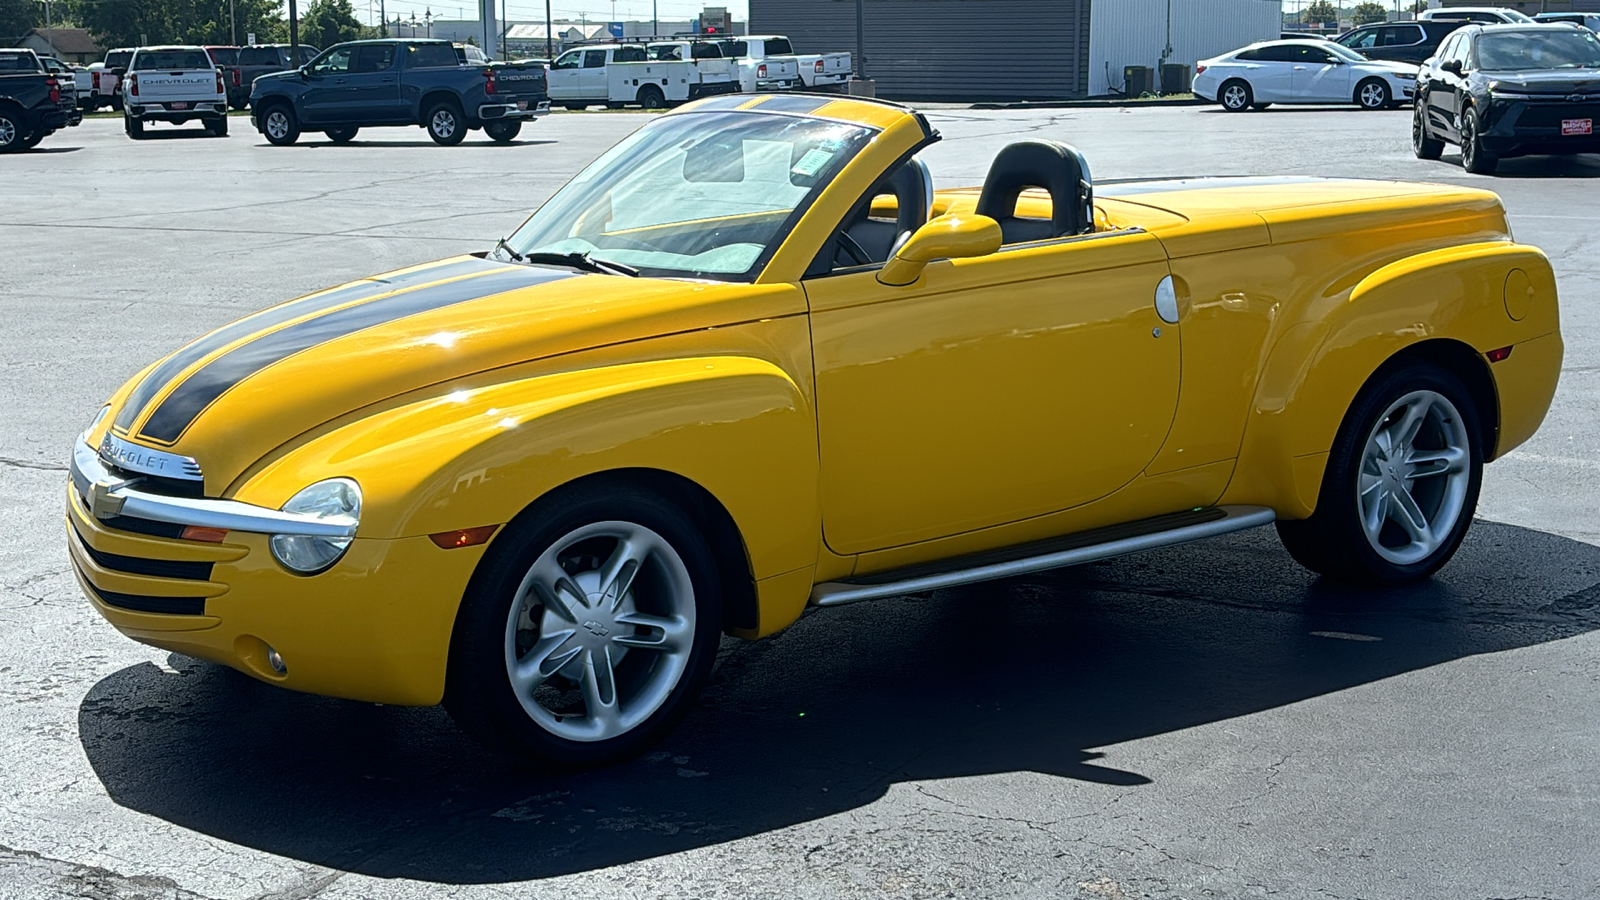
[329, 22]
[128, 23]
[1419, 6]
[16, 17]
[1368, 12]
[1320, 12]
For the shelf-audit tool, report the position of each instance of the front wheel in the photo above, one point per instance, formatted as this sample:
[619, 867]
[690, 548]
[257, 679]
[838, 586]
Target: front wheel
[1474, 158]
[503, 131]
[342, 135]
[1401, 483]
[1373, 94]
[444, 124]
[1423, 143]
[11, 132]
[587, 630]
[1236, 96]
[1260, 106]
[280, 126]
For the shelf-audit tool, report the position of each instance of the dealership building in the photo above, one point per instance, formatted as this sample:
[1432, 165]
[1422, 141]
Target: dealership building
[1022, 49]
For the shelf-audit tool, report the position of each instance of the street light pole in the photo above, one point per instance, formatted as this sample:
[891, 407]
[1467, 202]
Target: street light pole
[861, 39]
[294, 34]
[233, 29]
[549, 26]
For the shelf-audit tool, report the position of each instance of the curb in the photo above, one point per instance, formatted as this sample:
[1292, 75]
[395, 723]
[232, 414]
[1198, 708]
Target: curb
[1093, 104]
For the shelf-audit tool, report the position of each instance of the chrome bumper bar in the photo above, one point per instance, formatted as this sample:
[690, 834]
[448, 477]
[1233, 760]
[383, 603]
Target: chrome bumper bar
[107, 496]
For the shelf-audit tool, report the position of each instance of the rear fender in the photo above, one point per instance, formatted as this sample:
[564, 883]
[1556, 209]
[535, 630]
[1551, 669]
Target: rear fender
[1467, 295]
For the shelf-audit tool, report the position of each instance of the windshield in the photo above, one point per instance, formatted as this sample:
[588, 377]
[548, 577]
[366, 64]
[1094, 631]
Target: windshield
[1550, 49]
[149, 60]
[1344, 53]
[702, 195]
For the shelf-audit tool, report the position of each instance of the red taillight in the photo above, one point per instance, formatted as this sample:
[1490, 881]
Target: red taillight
[761, 71]
[97, 82]
[236, 82]
[221, 87]
[817, 67]
[1199, 68]
[1499, 355]
[55, 89]
[489, 87]
[133, 85]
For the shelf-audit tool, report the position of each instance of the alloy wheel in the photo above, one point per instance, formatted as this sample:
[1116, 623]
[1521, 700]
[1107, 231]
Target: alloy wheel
[1235, 97]
[444, 123]
[600, 631]
[277, 124]
[8, 131]
[1374, 95]
[1415, 477]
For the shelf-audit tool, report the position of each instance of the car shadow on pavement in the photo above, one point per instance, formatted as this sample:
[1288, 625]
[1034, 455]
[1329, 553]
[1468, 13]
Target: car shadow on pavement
[1027, 674]
[1576, 166]
[310, 142]
[53, 150]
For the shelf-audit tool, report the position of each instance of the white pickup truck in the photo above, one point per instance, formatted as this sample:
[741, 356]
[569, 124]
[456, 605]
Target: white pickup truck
[820, 71]
[106, 77]
[174, 84]
[650, 75]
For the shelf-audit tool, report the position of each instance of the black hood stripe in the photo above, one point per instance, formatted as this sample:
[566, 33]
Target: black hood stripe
[271, 318]
[181, 407]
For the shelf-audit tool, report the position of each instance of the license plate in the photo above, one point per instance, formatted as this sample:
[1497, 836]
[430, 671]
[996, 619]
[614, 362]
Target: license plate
[1577, 126]
[522, 104]
[183, 105]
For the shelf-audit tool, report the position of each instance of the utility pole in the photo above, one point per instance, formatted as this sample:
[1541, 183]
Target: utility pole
[233, 29]
[294, 34]
[383, 16]
[549, 26]
[655, 19]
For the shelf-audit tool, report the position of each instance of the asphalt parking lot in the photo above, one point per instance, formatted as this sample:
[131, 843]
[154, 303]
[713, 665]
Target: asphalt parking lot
[1204, 721]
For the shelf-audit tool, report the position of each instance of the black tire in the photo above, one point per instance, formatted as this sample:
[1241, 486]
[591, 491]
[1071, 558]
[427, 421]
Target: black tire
[238, 104]
[279, 124]
[32, 140]
[650, 97]
[1334, 542]
[116, 103]
[485, 645]
[1235, 95]
[217, 127]
[342, 135]
[1423, 143]
[613, 104]
[1474, 158]
[503, 131]
[576, 107]
[445, 124]
[1373, 94]
[1260, 106]
[134, 127]
[12, 131]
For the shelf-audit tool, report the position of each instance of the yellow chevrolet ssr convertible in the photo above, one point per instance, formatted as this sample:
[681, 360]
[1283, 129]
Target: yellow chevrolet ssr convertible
[750, 360]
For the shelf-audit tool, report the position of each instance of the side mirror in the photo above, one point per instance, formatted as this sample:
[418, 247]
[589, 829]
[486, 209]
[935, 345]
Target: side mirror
[1453, 66]
[946, 237]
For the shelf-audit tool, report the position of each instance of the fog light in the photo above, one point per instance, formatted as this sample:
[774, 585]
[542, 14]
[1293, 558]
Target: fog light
[275, 660]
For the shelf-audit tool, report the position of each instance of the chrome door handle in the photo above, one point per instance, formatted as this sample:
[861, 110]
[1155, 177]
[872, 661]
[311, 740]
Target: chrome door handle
[1166, 302]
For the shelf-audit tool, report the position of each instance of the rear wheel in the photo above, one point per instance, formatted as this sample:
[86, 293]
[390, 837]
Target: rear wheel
[504, 131]
[116, 103]
[1474, 158]
[444, 124]
[134, 127]
[217, 127]
[650, 97]
[11, 133]
[1401, 483]
[280, 126]
[342, 135]
[1236, 96]
[587, 630]
[32, 140]
[1423, 143]
[1372, 94]
[238, 104]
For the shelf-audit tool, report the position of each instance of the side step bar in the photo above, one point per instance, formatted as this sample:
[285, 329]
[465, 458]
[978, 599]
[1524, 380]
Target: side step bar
[1163, 531]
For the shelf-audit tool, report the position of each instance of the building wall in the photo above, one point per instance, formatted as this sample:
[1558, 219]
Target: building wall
[1133, 33]
[947, 49]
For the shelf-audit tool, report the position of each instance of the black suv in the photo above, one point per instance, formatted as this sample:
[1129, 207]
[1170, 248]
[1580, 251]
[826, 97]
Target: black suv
[1509, 90]
[1410, 42]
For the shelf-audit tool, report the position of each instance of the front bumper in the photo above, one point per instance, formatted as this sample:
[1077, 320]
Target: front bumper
[374, 627]
[1515, 127]
[491, 112]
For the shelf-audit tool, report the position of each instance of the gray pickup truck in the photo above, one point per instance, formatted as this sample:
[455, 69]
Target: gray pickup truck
[398, 82]
[33, 103]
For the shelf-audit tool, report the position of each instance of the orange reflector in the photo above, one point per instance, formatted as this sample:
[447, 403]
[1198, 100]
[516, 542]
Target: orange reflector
[466, 537]
[1498, 355]
[209, 535]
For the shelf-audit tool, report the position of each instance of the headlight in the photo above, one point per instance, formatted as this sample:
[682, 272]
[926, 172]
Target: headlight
[1405, 76]
[98, 418]
[305, 555]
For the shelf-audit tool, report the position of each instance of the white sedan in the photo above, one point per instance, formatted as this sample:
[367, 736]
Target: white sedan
[1302, 71]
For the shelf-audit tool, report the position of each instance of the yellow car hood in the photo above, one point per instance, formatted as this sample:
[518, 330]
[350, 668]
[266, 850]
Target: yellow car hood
[231, 397]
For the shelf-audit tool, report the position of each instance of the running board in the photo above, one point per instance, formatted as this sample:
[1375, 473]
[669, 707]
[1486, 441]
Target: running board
[1072, 550]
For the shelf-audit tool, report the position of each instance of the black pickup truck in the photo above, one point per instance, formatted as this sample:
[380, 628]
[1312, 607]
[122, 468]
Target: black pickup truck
[397, 82]
[258, 60]
[33, 103]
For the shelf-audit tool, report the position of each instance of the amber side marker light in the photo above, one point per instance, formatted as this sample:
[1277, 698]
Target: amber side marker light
[466, 537]
[201, 533]
[1498, 355]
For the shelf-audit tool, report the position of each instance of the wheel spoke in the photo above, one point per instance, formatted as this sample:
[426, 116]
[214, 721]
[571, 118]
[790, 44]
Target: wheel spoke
[618, 572]
[1404, 432]
[556, 590]
[1374, 507]
[1405, 512]
[600, 691]
[1427, 463]
[670, 634]
[543, 660]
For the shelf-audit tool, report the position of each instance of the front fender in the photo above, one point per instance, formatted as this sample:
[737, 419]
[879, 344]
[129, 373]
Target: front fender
[737, 426]
[1483, 296]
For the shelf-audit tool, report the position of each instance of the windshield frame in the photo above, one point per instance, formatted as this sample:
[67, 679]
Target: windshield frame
[607, 170]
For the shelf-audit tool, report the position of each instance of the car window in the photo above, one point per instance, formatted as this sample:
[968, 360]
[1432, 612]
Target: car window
[632, 53]
[11, 61]
[307, 53]
[704, 50]
[1281, 53]
[334, 62]
[421, 56]
[734, 49]
[1538, 50]
[779, 47]
[570, 60]
[663, 52]
[1315, 56]
[151, 60]
[1362, 39]
[594, 59]
[224, 56]
[1399, 35]
[118, 59]
[258, 56]
[1458, 49]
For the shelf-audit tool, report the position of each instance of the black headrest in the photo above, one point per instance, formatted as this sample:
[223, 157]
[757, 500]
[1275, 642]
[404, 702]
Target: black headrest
[1055, 167]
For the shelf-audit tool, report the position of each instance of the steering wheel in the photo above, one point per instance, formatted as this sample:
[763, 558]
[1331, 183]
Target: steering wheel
[857, 254]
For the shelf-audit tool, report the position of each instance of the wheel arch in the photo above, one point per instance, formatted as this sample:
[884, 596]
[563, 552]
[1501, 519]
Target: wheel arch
[434, 98]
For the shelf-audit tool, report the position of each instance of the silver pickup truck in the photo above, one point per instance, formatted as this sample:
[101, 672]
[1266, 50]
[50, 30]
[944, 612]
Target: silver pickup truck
[174, 84]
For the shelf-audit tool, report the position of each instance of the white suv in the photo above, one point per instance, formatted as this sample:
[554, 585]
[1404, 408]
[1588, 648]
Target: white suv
[1488, 15]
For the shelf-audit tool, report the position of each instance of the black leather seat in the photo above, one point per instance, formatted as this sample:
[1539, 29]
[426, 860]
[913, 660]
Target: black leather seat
[878, 239]
[1057, 168]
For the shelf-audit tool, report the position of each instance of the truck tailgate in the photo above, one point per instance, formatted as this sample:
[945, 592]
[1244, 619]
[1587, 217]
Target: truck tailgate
[161, 87]
[518, 82]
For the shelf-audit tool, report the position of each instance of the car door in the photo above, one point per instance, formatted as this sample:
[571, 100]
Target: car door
[592, 77]
[1320, 77]
[372, 90]
[327, 82]
[564, 75]
[992, 389]
[1267, 70]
